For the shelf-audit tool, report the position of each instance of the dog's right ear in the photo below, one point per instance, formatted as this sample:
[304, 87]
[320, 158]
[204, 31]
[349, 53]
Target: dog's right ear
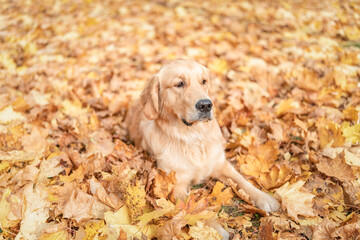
[149, 98]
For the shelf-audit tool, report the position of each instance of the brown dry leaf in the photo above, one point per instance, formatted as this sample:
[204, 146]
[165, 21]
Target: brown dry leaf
[78, 206]
[267, 152]
[266, 230]
[324, 230]
[109, 199]
[100, 143]
[172, 228]
[349, 231]
[336, 168]
[164, 184]
[296, 201]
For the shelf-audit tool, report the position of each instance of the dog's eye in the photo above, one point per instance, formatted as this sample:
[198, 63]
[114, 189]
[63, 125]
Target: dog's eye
[180, 84]
[204, 82]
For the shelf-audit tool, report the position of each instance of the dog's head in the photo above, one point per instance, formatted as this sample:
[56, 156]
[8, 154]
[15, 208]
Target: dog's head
[179, 90]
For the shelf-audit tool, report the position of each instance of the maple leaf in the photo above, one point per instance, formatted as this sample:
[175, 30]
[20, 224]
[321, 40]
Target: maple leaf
[351, 133]
[121, 220]
[324, 230]
[203, 232]
[287, 106]
[167, 207]
[92, 229]
[172, 228]
[335, 168]
[296, 201]
[220, 194]
[164, 184]
[135, 198]
[349, 231]
[352, 159]
[100, 142]
[109, 199]
[276, 177]
[61, 235]
[79, 206]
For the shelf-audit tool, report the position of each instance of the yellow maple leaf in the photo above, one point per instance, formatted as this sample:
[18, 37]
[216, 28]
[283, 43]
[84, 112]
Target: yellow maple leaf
[135, 198]
[167, 207]
[60, 235]
[120, 220]
[351, 133]
[296, 201]
[220, 194]
[286, 106]
[201, 231]
[92, 229]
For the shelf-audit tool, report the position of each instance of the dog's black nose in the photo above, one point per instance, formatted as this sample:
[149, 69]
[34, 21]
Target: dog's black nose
[204, 105]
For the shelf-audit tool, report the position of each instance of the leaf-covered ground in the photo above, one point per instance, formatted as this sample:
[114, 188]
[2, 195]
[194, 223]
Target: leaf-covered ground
[285, 83]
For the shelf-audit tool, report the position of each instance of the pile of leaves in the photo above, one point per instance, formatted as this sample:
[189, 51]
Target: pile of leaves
[285, 83]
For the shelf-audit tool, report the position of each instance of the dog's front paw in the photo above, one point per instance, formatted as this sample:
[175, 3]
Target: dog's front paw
[266, 202]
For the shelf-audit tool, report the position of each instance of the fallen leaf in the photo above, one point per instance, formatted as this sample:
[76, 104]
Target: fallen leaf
[352, 159]
[135, 199]
[79, 206]
[296, 201]
[335, 168]
[172, 228]
[220, 194]
[200, 231]
[164, 184]
[276, 177]
[121, 220]
[92, 229]
[147, 217]
[61, 235]
[351, 133]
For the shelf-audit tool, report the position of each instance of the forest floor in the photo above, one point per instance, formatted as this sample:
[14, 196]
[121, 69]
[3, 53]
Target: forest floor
[285, 78]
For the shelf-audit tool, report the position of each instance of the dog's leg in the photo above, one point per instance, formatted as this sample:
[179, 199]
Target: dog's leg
[181, 189]
[261, 199]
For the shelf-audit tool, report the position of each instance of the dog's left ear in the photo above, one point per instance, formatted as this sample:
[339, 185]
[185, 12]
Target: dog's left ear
[149, 98]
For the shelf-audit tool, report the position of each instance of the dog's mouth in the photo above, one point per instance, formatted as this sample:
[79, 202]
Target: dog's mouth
[186, 122]
[200, 118]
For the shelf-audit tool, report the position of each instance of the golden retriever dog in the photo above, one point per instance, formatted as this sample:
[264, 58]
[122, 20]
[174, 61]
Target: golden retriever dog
[175, 123]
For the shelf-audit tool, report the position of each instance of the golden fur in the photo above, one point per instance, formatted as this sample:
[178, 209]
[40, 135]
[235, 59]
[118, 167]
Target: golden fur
[160, 124]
